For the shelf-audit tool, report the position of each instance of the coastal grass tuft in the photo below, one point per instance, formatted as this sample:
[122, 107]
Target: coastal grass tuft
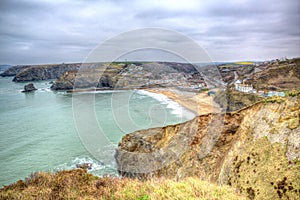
[274, 99]
[78, 184]
[292, 93]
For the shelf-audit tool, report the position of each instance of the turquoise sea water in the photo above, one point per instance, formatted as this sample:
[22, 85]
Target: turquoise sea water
[38, 131]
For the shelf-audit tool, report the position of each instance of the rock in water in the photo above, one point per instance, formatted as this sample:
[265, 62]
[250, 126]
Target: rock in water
[84, 165]
[29, 88]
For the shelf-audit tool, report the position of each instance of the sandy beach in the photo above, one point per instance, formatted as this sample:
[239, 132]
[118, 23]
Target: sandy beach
[198, 103]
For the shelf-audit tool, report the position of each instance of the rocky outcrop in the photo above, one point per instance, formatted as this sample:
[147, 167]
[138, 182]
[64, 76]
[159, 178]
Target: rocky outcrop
[29, 88]
[65, 81]
[97, 77]
[269, 75]
[3, 68]
[132, 76]
[43, 72]
[255, 150]
[284, 75]
[12, 71]
[86, 166]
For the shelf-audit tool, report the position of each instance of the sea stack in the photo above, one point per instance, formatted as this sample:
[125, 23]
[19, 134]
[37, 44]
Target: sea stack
[29, 88]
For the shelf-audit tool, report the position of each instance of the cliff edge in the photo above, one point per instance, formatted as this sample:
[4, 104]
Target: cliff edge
[256, 150]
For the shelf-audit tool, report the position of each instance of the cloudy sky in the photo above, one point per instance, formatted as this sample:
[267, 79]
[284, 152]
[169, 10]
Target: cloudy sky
[50, 31]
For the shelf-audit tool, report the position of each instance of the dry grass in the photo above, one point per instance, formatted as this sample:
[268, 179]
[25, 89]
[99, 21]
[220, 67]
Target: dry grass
[78, 184]
[262, 171]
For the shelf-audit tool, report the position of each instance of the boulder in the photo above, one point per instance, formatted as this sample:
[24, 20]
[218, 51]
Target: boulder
[84, 165]
[29, 88]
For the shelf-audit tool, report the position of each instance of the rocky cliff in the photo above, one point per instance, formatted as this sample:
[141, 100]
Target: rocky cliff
[12, 71]
[272, 75]
[280, 75]
[101, 75]
[43, 72]
[3, 68]
[131, 76]
[269, 75]
[255, 150]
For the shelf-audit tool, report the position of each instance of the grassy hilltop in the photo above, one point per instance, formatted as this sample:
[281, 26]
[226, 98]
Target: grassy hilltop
[78, 184]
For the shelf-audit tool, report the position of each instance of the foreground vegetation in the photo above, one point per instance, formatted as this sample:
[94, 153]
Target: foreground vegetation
[78, 184]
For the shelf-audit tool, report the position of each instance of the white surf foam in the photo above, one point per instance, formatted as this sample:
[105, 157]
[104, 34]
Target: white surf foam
[95, 165]
[44, 90]
[98, 91]
[176, 108]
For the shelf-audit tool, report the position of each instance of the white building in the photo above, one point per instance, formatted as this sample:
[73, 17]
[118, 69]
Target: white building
[239, 86]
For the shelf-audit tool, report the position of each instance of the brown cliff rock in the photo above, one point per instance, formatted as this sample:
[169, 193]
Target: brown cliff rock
[254, 150]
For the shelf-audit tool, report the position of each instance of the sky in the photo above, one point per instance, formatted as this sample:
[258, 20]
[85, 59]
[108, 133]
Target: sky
[50, 31]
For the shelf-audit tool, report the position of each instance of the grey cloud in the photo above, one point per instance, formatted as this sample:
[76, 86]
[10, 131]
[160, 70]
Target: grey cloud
[65, 31]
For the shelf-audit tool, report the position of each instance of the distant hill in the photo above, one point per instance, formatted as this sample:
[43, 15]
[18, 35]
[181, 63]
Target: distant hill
[132, 75]
[13, 70]
[278, 75]
[268, 75]
[4, 67]
[39, 72]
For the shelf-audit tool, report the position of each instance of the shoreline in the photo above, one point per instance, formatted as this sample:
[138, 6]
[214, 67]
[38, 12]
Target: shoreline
[198, 103]
[177, 108]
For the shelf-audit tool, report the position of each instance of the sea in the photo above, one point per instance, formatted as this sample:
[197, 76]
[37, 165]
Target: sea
[41, 131]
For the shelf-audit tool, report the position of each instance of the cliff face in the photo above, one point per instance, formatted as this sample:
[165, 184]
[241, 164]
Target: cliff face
[131, 76]
[272, 75]
[256, 150]
[12, 71]
[275, 75]
[284, 75]
[43, 72]
[100, 75]
[3, 68]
